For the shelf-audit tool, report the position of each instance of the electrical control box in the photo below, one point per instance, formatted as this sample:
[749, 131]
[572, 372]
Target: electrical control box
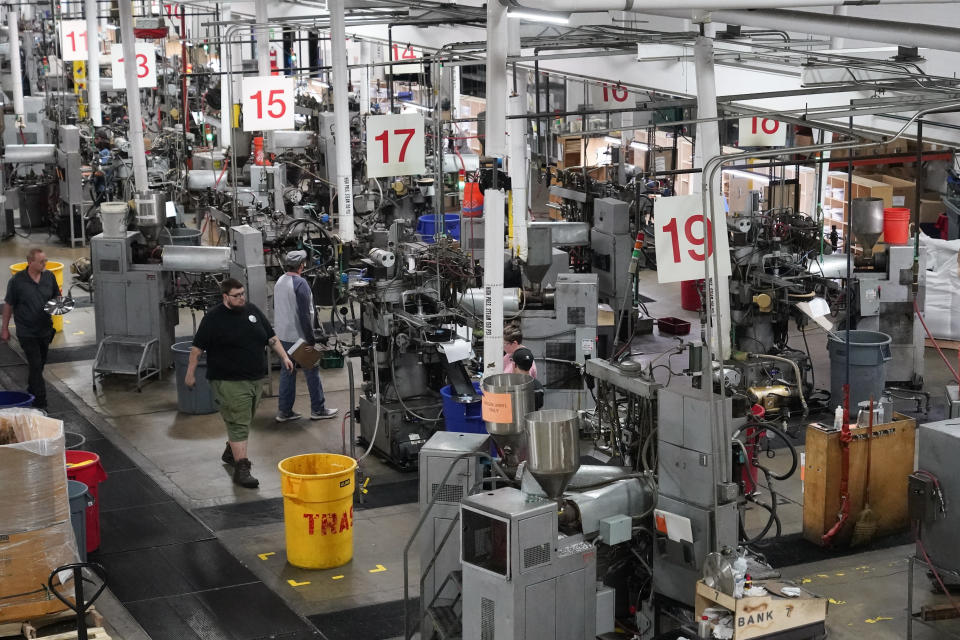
[921, 498]
[616, 529]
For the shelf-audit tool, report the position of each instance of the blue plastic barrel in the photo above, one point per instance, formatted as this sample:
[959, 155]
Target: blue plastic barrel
[427, 226]
[10, 399]
[462, 417]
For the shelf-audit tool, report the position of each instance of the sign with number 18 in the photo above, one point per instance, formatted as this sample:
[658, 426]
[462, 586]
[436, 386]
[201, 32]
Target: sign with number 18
[685, 239]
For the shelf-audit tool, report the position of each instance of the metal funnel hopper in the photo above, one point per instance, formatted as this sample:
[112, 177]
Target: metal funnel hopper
[553, 454]
[867, 222]
[507, 398]
[539, 254]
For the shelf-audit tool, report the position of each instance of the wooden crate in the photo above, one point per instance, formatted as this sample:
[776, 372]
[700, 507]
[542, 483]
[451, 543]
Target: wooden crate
[891, 463]
[756, 617]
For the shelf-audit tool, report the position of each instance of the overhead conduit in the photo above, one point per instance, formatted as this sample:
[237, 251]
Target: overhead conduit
[652, 6]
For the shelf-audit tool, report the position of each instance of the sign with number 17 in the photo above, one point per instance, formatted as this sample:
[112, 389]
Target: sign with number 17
[395, 145]
[685, 239]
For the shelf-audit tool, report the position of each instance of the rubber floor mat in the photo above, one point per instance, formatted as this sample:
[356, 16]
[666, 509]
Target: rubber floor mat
[373, 622]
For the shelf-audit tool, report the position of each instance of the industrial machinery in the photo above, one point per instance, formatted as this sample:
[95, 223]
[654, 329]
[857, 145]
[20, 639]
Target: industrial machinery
[930, 491]
[411, 343]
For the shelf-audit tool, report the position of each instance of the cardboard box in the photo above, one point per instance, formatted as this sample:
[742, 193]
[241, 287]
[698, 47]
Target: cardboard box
[931, 206]
[35, 532]
[904, 191]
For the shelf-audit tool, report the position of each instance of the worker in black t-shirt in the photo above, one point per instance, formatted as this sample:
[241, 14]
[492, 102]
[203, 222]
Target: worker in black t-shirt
[523, 363]
[27, 293]
[233, 334]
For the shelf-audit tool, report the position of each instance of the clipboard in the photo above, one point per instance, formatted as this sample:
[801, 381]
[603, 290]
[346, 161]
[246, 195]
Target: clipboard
[303, 354]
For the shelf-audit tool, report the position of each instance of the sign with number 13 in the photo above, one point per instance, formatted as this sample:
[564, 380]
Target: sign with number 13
[146, 66]
[685, 239]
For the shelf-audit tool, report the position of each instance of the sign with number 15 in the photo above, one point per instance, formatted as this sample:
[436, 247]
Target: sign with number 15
[395, 145]
[684, 239]
[268, 103]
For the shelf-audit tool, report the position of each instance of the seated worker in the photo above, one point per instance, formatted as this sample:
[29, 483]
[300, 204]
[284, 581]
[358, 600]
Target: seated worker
[512, 340]
[522, 359]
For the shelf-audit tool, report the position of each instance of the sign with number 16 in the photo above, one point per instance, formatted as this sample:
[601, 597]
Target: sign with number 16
[685, 239]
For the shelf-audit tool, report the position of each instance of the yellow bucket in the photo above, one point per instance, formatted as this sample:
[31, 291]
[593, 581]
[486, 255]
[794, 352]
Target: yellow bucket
[56, 268]
[318, 509]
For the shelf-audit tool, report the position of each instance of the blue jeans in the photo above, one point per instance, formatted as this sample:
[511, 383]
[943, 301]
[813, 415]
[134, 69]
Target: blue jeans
[288, 386]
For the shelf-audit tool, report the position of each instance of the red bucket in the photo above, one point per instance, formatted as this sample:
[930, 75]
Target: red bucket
[690, 295]
[85, 467]
[896, 225]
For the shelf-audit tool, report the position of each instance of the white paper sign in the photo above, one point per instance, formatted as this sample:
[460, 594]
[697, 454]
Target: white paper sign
[146, 66]
[268, 103]
[73, 40]
[762, 132]
[395, 145]
[405, 54]
[610, 96]
[684, 239]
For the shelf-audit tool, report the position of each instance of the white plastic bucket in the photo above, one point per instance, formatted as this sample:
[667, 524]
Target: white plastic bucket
[113, 215]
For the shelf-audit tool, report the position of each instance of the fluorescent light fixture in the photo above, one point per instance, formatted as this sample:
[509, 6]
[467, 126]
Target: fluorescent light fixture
[532, 15]
[640, 146]
[416, 106]
[616, 142]
[748, 174]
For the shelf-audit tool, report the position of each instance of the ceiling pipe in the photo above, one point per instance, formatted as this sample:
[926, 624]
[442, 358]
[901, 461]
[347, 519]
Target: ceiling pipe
[650, 6]
[903, 34]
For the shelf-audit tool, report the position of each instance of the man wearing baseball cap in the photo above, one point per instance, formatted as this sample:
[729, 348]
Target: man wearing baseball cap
[293, 319]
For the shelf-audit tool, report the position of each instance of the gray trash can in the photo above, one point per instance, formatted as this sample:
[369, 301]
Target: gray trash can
[198, 400]
[869, 353]
[80, 499]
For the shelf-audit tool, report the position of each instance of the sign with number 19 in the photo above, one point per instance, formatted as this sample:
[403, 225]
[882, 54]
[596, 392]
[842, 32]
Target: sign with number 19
[395, 145]
[685, 239]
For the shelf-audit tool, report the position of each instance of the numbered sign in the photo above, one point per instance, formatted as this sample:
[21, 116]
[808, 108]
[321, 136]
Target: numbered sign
[146, 66]
[610, 96]
[73, 40]
[268, 103]
[685, 239]
[405, 53]
[762, 132]
[395, 145]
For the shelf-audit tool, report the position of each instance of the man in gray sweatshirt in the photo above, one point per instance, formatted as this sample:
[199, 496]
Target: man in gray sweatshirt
[293, 314]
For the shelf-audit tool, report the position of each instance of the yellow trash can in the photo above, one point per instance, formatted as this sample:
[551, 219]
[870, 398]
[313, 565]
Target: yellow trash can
[56, 268]
[318, 509]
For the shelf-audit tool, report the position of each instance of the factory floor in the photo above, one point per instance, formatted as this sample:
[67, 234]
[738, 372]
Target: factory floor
[191, 555]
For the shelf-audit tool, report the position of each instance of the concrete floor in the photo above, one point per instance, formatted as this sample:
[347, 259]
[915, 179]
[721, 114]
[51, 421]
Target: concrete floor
[181, 453]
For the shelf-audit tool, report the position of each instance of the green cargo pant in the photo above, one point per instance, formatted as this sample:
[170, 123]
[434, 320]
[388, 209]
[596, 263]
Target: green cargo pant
[237, 401]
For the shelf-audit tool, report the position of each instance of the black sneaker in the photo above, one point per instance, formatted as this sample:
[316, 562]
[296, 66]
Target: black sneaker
[241, 474]
[227, 456]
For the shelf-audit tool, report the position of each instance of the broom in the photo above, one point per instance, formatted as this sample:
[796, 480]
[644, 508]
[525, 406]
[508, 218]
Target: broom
[866, 526]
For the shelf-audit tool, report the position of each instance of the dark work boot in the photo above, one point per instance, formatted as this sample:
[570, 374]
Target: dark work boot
[241, 474]
[227, 456]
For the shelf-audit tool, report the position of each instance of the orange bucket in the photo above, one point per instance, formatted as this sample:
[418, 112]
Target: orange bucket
[896, 225]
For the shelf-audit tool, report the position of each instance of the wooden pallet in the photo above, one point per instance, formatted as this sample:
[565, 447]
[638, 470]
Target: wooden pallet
[944, 344]
[31, 629]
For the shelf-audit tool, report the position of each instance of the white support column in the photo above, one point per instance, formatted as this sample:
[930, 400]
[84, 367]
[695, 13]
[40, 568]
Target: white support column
[341, 119]
[227, 52]
[708, 146]
[495, 146]
[263, 38]
[16, 72]
[137, 150]
[93, 62]
[366, 57]
[455, 91]
[837, 42]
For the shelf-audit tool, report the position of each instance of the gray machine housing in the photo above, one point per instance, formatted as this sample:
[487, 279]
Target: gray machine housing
[687, 459]
[566, 332]
[440, 451]
[521, 578]
[612, 246]
[886, 305]
[939, 449]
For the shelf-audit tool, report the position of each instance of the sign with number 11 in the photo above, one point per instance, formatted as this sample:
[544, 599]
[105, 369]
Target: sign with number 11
[685, 239]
